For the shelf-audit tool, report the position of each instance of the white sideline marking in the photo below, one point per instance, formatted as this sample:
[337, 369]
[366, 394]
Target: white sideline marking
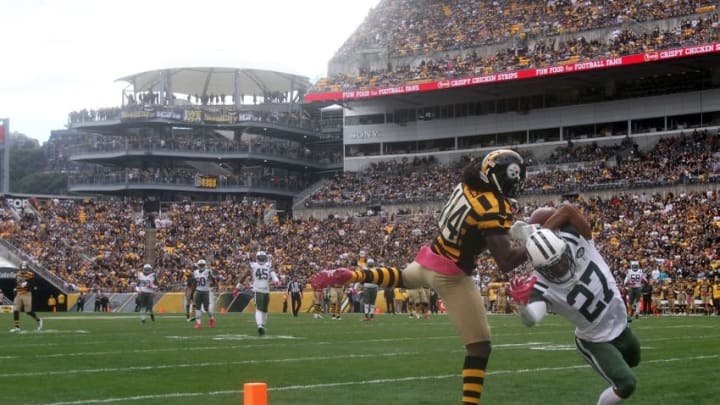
[531, 345]
[554, 348]
[224, 337]
[100, 317]
[349, 383]
[254, 337]
[206, 364]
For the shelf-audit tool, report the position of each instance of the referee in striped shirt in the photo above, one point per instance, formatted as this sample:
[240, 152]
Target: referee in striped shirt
[294, 290]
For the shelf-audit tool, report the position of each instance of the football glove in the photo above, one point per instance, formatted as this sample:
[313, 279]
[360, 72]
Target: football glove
[521, 230]
[521, 288]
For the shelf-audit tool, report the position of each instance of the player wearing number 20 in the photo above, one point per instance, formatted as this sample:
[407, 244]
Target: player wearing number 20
[573, 279]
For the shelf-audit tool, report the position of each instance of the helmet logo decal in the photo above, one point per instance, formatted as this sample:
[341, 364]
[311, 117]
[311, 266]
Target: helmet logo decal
[513, 171]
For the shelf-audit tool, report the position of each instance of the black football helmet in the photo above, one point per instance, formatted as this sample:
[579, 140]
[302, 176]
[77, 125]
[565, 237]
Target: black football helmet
[504, 169]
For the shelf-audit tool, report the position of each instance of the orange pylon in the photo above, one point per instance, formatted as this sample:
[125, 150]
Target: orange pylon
[255, 393]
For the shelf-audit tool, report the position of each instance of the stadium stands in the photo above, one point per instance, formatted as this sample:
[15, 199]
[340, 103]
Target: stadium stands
[673, 160]
[449, 41]
[98, 244]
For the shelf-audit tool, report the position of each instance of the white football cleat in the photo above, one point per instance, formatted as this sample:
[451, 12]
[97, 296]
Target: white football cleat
[15, 330]
[39, 324]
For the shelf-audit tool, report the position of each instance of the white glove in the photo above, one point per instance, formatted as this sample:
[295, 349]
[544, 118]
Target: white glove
[521, 230]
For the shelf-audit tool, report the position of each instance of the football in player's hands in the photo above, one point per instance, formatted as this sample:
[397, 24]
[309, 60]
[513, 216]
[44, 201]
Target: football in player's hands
[521, 288]
[540, 215]
[23, 284]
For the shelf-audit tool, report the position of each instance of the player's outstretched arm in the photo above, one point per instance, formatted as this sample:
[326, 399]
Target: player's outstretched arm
[501, 249]
[569, 214]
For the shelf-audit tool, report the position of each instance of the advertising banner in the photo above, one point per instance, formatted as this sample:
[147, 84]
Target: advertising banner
[596, 64]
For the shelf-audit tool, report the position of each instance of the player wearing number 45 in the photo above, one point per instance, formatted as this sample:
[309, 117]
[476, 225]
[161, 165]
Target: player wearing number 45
[573, 279]
[262, 274]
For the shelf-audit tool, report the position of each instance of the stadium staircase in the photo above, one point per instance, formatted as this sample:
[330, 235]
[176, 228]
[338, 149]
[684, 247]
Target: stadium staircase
[16, 256]
[307, 192]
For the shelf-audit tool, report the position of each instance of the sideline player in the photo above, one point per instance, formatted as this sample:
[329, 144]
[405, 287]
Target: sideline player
[261, 272]
[204, 278]
[575, 281]
[190, 293]
[146, 288]
[23, 297]
[634, 279]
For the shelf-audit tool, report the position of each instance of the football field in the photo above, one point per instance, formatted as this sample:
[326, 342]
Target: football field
[92, 358]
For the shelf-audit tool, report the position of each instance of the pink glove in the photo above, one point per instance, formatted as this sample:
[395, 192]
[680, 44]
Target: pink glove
[520, 288]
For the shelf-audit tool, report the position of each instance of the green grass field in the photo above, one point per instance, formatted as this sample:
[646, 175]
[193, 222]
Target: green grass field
[106, 358]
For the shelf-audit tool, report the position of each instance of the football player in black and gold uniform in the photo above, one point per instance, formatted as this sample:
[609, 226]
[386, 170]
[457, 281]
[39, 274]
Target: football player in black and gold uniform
[189, 294]
[23, 297]
[477, 217]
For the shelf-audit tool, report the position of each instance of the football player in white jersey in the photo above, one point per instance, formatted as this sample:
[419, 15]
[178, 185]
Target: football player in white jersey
[262, 274]
[204, 279]
[573, 279]
[369, 293]
[634, 279]
[146, 288]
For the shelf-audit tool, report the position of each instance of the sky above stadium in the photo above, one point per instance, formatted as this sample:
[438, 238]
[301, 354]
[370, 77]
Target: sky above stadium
[64, 56]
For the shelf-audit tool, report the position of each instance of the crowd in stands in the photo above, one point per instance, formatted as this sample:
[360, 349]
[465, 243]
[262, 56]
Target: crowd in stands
[678, 234]
[98, 245]
[188, 177]
[67, 144]
[446, 36]
[688, 158]
[202, 142]
[406, 29]
[685, 159]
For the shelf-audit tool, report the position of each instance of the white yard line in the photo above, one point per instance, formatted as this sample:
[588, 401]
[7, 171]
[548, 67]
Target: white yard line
[337, 384]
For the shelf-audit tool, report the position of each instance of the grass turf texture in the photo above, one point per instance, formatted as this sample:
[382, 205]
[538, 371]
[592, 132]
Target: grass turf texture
[111, 358]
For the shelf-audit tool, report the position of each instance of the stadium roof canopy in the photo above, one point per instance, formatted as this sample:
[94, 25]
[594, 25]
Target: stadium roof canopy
[217, 80]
